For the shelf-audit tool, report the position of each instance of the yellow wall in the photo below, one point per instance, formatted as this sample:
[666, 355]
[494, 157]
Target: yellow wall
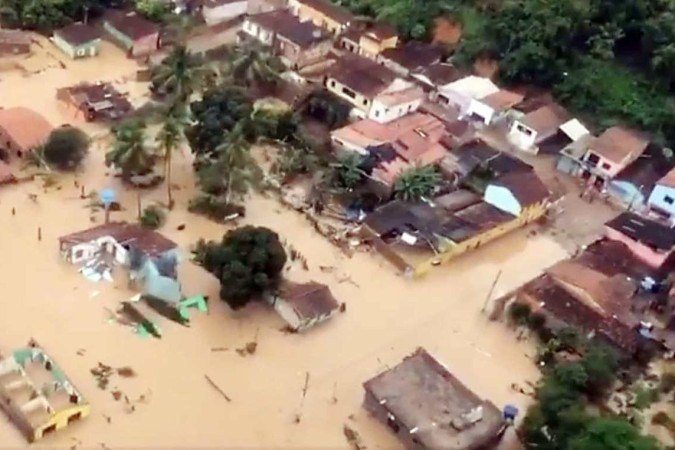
[61, 419]
[318, 18]
[371, 47]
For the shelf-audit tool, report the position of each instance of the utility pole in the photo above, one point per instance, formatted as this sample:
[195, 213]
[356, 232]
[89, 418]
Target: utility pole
[492, 288]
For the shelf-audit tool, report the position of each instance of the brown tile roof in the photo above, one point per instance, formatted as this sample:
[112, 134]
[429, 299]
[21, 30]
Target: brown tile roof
[287, 26]
[380, 31]
[101, 99]
[78, 33]
[441, 74]
[414, 55]
[649, 232]
[26, 127]
[132, 25]
[668, 179]
[427, 400]
[546, 120]
[6, 175]
[309, 300]
[526, 186]
[619, 144]
[362, 75]
[149, 242]
[650, 167]
[14, 37]
[503, 100]
[330, 9]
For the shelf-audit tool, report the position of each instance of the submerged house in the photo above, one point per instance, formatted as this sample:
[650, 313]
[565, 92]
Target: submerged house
[369, 40]
[78, 40]
[94, 102]
[427, 407]
[662, 198]
[21, 131]
[36, 394]
[304, 305]
[14, 42]
[548, 129]
[134, 34]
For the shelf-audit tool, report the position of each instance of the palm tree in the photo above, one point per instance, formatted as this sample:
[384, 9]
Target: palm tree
[348, 172]
[181, 73]
[169, 138]
[129, 152]
[238, 167]
[253, 67]
[417, 182]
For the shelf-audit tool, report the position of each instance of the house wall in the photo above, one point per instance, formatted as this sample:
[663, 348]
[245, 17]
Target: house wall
[262, 6]
[476, 107]
[145, 45]
[295, 57]
[358, 100]
[224, 12]
[654, 258]
[305, 12]
[60, 419]
[503, 199]
[119, 38]
[522, 136]
[261, 34]
[663, 199]
[81, 51]
[382, 113]
[79, 253]
[370, 48]
[605, 168]
[453, 98]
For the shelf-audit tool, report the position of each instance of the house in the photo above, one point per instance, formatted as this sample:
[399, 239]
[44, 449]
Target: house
[304, 305]
[413, 140]
[298, 44]
[662, 198]
[633, 185]
[611, 152]
[411, 57]
[460, 93]
[650, 241]
[493, 107]
[435, 76]
[369, 39]
[217, 11]
[601, 292]
[14, 42]
[322, 13]
[522, 194]
[534, 129]
[94, 102]
[6, 174]
[426, 407]
[376, 92]
[37, 396]
[77, 40]
[262, 6]
[21, 131]
[134, 34]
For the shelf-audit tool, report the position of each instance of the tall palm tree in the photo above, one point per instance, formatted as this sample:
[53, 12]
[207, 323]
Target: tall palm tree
[416, 183]
[129, 152]
[169, 138]
[239, 169]
[254, 67]
[180, 74]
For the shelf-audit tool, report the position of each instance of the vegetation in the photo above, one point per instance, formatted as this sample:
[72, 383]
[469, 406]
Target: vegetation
[416, 183]
[254, 67]
[153, 217]
[169, 138]
[327, 109]
[215, 208]
[295, 160]
[348, 171]
[47, 15]
[64, 150]
[155, 10]
[179, 75]
[248, 262]
[129, 153]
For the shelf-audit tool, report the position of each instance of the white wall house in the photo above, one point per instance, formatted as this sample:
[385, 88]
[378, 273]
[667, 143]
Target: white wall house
[85, 251]
[462, 92]
[502, 198]
[662, 199]
[256, 31]
[216, 11]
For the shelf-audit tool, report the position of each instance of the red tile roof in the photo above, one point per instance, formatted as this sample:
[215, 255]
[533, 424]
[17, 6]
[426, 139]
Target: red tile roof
[619, 144]
[26, 127]
[149, 242]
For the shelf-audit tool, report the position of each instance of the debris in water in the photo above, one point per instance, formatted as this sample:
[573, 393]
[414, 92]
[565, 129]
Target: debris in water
[219, 349]
[117, 395]
[181, 227]
[102, 373]
[126, 372]
[217, 388]
[353, 437]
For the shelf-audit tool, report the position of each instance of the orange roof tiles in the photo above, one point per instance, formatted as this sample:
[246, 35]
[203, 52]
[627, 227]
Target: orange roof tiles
[25, 127]
[619, 144]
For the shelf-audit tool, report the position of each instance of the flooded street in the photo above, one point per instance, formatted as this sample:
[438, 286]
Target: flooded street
[387, 316]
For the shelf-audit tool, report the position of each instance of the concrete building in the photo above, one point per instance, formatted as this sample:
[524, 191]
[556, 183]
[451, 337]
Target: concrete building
[94, 102]
[426, 407]
[77, 40]
[217, 11]
[37, 396]
[650, 241]
[376, 92]
[662, 198]
[21, 131]
[368, 40]
[322, 13]
[134, 34]
[14, 42]
[304, 305]
[548, 127]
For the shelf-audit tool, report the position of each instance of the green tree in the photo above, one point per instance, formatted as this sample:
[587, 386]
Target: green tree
[600, 363]
[152, 218]
[66, 148]
[248, 262]
[155, 10]
[169, 137]
[295, 160]
[129, 152]
[612, 434]
[417, 182]
[253, 67]
[180, 74]
[348, 172]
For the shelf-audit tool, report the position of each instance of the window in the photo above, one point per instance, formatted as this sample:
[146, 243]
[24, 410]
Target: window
[348, 92]
[365, 101]
[377, 113]
[668, 199]
[526, 131]
[606, 166]
[332, 83]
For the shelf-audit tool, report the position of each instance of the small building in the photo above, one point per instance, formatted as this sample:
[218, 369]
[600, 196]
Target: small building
[633, 185]
[134, 34]
[426, 407]
[298, 44]
[529, 132]
[522, 194]
[95, 102]
[322, 13]
[662, 198]
[304, 305]
[375, 91]
[14, 42]
[493, 107]
[613, 151]
[410, 57]
[436, 76]
[21, 131]
[650, 241]
[459, 94]
[369, 40]
[37, 396]
[217, 11]
[77, 40]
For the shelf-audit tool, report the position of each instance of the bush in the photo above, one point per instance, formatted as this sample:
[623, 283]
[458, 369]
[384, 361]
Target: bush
[537, 321]
[519, 313]
[153, 217]
[66, 148]
[215, 208]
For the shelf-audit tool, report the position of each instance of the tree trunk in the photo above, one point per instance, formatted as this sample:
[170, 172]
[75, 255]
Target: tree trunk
[167, 176]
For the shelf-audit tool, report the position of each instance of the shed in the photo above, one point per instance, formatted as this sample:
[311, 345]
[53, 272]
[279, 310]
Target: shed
[303, 305]
[77, 40]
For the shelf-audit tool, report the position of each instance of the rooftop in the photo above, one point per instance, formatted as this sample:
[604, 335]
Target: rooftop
[131, 24]
[439, 74]
[330, 9]
[650, 167]
[362, 75]
[147, 241]
[472, 86]
[26, 127]
[288, 26]
[430, 402]
[309, 300]
[78, 34]
[649, 232]
[619, 144]
[525, 186]
[14, 37]
[502, 100]
[101, 99]
[546, 120]
[414, 55]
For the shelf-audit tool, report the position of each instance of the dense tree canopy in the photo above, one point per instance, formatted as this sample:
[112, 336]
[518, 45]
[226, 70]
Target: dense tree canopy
[417, 182]
[46, 15]
[66, 148]
[248, 262]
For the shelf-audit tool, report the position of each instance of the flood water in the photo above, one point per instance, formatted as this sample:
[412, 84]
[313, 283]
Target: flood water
[387, 317]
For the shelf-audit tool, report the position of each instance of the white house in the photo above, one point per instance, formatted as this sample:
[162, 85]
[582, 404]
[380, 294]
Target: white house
[550, 122]
[303, 305]
[662, 199]
[216, 11]
[460, 93]
[494, 106]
